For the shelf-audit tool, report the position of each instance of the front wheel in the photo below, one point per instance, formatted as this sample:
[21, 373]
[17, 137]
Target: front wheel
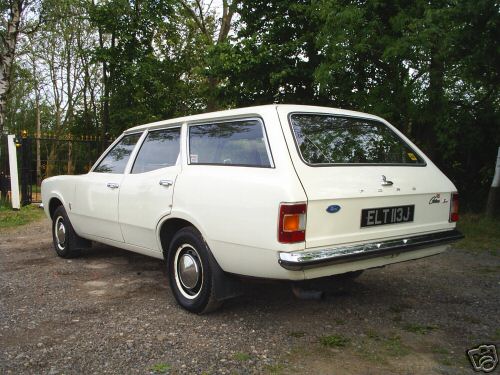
[189, 271]
[63, 235]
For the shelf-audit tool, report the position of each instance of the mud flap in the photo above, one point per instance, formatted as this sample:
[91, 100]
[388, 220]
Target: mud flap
[226, 286]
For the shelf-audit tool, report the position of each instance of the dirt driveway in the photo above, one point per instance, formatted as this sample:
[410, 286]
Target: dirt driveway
[111, 311]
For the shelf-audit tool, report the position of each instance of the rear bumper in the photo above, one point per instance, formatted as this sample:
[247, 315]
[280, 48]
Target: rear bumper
[300, 260]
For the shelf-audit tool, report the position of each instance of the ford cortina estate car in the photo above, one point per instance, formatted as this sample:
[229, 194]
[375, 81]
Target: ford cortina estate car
[279, 192]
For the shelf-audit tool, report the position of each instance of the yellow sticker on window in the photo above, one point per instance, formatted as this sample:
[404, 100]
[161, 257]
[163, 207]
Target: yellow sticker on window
[412, 156]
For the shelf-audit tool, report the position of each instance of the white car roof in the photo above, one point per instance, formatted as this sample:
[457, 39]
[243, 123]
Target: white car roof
[249, 111]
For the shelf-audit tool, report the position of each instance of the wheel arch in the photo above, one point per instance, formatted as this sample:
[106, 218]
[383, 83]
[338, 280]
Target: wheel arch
[170, 224]
[54, 203]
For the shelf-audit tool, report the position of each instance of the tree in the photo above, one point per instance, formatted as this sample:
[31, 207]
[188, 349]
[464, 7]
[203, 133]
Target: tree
[9, 35]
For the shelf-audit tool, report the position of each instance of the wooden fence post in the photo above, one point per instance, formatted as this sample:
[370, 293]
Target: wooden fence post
[491, 205]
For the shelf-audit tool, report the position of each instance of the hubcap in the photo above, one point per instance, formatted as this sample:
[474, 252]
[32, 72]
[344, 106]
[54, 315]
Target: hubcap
[188, 271]
[60, 232]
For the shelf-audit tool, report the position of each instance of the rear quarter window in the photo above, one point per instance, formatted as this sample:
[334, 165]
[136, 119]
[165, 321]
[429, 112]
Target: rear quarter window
[324, 139]
[236, 143]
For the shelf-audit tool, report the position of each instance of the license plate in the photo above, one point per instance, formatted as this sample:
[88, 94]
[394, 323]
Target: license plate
[387, 215]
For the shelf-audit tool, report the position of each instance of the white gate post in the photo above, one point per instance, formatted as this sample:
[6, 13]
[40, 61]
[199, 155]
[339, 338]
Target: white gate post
[491, 205]
[14, 178]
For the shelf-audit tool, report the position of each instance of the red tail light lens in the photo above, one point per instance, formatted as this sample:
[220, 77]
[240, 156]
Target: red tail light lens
[454, 208]
[292, 222]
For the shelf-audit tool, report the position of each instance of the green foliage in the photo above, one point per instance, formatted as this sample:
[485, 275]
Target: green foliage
[151, 54]
[430, 68]
[11, 218]
[481, 233]
[160, 368]
[334, 341]
[242, 357]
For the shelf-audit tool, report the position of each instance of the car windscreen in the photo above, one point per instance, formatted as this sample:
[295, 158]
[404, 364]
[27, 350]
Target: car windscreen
[324, 139]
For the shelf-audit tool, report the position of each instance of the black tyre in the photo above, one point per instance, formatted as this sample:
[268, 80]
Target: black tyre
[190, 275]
[63, 235]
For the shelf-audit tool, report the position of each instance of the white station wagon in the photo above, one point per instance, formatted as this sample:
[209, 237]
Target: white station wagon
[278, 191]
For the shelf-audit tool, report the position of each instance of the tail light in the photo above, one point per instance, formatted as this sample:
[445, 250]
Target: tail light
[454, 208]
[292, 222]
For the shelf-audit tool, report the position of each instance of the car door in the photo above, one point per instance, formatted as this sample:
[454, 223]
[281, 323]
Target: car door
[95, 209]
[146, 193]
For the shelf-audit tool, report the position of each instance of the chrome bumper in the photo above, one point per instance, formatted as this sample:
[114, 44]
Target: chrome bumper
[299, 260]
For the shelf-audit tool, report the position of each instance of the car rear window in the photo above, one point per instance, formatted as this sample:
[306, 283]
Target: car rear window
[237, 143]
[330, 139]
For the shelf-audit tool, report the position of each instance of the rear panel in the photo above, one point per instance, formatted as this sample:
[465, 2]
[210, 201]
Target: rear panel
[360, 202]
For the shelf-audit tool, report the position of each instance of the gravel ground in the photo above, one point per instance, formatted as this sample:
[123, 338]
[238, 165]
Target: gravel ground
[111, 311]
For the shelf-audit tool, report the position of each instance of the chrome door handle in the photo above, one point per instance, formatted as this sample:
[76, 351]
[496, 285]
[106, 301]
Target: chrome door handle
[112, 185]
[166, 183]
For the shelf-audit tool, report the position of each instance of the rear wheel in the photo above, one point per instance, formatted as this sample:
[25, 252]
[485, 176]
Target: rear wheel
[190, 274]
[63, 234]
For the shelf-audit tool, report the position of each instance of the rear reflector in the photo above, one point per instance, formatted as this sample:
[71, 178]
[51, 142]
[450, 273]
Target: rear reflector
[454, 208]
[292, 222]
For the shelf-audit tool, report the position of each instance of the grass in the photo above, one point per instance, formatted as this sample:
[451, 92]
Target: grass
[481, 233]
[242, 357]
[395, 347]
[380, 346]
[274, 369]
[334, 341]
[417, 328]
[160, 368]
[27, 214]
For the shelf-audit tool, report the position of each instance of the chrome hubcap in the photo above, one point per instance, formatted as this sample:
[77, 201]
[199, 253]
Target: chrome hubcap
[188, 271]
[60, 232]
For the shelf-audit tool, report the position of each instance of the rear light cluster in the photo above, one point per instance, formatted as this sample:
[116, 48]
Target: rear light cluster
[292, 222]
[454, 208]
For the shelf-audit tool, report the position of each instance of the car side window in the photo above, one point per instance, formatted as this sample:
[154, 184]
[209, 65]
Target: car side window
[116, 159]
[160, 149]
[238, 143]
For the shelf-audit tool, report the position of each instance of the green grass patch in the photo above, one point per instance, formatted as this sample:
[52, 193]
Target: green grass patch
[374, 335]
[395, 347]
[274, 369]
[10, 218]
[334, 341]
[481, 233]
[242, 357]
[296, 334]
[160, 368]
[418, 328]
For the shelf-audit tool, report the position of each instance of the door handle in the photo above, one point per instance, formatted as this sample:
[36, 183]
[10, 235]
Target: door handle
[166, 183]
[112, 185]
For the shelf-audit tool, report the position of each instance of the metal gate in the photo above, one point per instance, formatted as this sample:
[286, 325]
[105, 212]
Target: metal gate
[49, 155]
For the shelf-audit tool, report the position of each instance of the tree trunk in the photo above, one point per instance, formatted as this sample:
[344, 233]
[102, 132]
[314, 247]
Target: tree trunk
[70, 157]
[7, 55]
